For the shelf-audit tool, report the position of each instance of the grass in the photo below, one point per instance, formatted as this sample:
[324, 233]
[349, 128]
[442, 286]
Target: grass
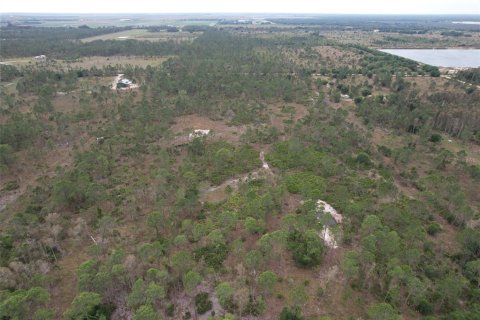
[145, 35]
[88, 62]
[18, 61]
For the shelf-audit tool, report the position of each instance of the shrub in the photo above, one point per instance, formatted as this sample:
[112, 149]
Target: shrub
[366, 92]
[212, 254]
[386, 151]
[307, 248]
[306, 184]
[11, 185]
[358, 100]
[433, 228]
[425, 307]
[364, 160]
[291, 314]
[202, 303]
[253, 225]
[254, 307]
[435, 138]
[170, 311]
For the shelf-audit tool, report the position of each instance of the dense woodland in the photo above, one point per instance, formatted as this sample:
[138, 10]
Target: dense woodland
[105, 216]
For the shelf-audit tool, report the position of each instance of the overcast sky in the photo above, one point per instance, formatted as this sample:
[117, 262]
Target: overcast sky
[244, 6]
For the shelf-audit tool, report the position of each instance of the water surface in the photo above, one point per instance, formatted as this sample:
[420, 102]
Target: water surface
[454, 58]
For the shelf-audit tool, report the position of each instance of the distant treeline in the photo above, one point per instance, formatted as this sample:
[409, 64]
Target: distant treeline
[385, 23]
[65, 43]
[55, 33]
[72, 49]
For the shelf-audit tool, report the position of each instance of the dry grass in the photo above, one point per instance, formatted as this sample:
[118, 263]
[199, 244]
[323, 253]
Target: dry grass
[99, 62]
[145, 35]
[220, 130]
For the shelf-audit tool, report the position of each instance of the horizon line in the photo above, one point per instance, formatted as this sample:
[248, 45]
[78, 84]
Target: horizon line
[228, 12]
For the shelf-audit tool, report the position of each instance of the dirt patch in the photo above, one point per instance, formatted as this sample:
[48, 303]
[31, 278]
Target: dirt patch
[60, 156]
[64, 292]
[280, 119]
[184, 125]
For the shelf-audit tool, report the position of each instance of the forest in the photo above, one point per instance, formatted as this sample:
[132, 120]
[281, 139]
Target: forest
[334, 181]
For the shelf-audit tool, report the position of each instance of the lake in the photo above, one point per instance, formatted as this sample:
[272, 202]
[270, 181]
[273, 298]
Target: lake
[453, 58]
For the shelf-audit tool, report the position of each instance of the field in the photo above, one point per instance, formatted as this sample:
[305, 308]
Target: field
[145, 35]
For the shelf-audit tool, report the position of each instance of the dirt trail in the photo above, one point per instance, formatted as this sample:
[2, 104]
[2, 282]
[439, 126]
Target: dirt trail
[234, 182]
[458, 80]
[115, 81]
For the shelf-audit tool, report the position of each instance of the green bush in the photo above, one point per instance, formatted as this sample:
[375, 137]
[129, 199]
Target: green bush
[386, 151]
[202, 303]
[433, 228]
[435, 138]
[214, 255]
[291, 314]
[363, 160]
[306, 184]
[307, 248]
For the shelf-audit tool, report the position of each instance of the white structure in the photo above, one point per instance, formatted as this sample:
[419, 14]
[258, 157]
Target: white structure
[326, 234]
[125, 82]
[197, 133]
[326, 208]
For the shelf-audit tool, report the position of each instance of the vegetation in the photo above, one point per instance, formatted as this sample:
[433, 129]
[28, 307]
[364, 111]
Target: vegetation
[112, 209]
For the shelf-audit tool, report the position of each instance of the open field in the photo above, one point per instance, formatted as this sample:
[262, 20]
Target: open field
[145, 35]
[89, 62]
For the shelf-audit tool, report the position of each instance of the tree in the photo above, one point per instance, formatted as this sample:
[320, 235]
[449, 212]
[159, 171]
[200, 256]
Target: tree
[182, 262]
[86, 275]
[191, 280]
[472, 271]
[267, 280]
[154, 220]
[350, 264]
[291, 314]
[21, 303]
[450, 290]
[6, 156]
[138, 296]
[83, 306]
[44, 314]
[307, 248]
[224, 293]
[253, 226]
[443, 158]
[202, 303]
[253, 259]
[382, 311]
[299, 296]
[154, 293]
[146, 312]
[215, 237]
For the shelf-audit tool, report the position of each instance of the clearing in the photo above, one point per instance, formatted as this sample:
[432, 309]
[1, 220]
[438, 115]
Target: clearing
[145, 35]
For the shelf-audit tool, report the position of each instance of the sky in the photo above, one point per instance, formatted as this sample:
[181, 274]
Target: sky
[244, 6]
